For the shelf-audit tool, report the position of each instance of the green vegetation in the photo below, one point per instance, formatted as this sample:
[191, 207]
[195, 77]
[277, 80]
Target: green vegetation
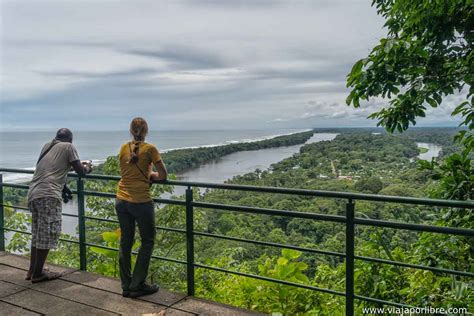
[439, 136]
[423, 150]
[426, 55]
[180, 160]
[363, 162]
[184, 159]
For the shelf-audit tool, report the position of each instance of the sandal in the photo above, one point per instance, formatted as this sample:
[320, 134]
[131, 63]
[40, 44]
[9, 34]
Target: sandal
[28, 276]
[46, 276]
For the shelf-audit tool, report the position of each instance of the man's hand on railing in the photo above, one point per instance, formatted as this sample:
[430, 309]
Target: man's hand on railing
[82, 167]
[87, 164]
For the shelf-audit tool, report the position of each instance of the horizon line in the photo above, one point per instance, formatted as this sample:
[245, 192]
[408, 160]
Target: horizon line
[224, 129]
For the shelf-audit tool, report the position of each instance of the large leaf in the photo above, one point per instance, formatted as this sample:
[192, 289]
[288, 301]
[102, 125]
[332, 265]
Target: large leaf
[282, 261]
[110, 236]
[291, 254]
[105, 252]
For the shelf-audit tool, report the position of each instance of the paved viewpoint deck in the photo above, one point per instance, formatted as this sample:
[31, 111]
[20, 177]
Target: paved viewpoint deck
[84, 293]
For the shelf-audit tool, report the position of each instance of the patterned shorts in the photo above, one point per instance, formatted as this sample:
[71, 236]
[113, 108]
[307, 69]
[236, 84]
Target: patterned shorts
[46, 223]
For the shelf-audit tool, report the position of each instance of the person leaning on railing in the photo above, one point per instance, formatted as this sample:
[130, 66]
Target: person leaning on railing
[47, 188]
[134, 206]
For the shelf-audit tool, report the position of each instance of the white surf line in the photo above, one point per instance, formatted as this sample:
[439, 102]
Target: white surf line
[21, 178]
[231, 142]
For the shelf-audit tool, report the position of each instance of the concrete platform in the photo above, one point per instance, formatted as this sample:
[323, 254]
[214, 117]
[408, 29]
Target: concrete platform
[84, 293]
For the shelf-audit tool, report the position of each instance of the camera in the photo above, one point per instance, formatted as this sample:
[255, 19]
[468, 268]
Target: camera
[66, 194]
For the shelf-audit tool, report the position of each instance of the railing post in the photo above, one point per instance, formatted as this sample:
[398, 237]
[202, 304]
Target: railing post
[350, 232]
[2, 217]
[190, 240]
[82, 224]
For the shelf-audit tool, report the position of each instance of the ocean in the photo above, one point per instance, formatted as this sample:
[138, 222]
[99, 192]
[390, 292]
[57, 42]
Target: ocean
[95, 145]
[21, 149]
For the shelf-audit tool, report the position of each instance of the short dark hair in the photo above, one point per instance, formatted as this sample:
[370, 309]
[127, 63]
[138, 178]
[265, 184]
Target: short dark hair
[64, 135]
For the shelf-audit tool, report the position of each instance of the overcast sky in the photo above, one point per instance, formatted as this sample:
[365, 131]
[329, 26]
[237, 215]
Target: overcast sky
[195, 64]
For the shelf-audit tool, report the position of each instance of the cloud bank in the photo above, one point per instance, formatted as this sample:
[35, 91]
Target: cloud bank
[183, 64]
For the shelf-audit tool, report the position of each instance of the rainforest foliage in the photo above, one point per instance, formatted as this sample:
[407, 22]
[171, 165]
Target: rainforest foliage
[180, 160]
[356, 161]
[427, 55]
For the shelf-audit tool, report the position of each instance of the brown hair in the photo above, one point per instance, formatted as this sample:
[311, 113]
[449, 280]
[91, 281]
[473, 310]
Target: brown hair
[138, 129]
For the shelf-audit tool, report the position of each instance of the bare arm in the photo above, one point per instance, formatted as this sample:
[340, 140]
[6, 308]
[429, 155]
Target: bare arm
[161, 173]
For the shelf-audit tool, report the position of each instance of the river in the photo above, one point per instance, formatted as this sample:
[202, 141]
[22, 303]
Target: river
[234, 164]
[246, 161]
[216, 171]
[433, 151]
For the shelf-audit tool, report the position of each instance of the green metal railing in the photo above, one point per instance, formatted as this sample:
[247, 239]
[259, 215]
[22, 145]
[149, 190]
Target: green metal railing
[349, 220]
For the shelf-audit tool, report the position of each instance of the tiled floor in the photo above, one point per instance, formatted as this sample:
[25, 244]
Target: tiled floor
[83, 293]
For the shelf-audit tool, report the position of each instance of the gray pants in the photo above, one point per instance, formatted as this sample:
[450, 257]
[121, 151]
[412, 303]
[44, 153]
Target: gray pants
[131, 214]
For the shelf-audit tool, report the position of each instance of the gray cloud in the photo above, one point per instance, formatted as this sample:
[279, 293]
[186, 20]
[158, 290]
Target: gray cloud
[183, 57]
[310, 72]
[251, 4]
[184, 64]
[89, 74]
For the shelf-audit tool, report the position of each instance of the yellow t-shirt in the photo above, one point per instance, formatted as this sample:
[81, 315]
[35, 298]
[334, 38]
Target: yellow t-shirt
[134, 186]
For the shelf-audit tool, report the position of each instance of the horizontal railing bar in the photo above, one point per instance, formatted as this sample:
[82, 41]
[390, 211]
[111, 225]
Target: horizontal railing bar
[389, 262]
[99, 194]
[29, 233]
[15, 207]
[169, 201]
[269, 211]
[415, 227]
[14, 185]
[113, 195]
[335, 218]
[272, 244]
[98, 246]
[171, 229]
[303, 286]
[100, 219]
[134, 252]
[13, 170]
[167, 259]
[263, 189]
[379, 301]
[17, 231]
[329, 194]
[415, 266]
[69, 240]
[108, 220]
[93, 176]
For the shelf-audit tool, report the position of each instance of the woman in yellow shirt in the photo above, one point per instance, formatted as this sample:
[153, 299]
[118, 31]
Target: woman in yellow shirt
[134, 206]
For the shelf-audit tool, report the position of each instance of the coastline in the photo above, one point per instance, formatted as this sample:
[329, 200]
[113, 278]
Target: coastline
[242, 141]
[182, 160]
[23, 178]
[223, 169]
[247, 161]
